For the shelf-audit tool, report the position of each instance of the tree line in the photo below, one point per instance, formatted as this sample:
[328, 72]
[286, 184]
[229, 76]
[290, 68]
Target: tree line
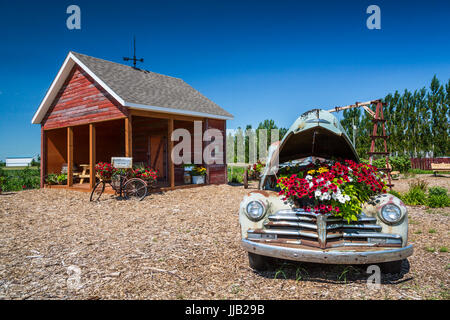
[417, 122]
[417, 125]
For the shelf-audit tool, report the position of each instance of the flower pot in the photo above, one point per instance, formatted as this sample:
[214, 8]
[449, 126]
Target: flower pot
[187, 177]
[198, 179]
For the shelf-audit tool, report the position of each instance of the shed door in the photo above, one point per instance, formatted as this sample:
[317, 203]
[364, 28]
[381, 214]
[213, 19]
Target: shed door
[157, 148]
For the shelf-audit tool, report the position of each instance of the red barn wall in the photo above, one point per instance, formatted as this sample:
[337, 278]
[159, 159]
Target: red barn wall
[80, 101]
[217, 173]
[56, 150]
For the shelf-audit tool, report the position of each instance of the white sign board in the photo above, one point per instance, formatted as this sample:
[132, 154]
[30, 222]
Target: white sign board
[122, 163]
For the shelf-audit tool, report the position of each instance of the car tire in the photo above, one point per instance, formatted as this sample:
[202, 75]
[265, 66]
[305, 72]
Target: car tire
[258, 262]
[392, 267]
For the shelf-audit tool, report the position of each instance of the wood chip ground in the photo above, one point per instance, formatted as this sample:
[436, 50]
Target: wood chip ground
[183, 244]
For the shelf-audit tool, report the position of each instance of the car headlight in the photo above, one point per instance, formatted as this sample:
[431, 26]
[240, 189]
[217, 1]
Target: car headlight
[255, 210]
[390, 213]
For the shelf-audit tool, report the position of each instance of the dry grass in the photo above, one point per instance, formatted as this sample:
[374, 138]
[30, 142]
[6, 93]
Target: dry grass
[183, 244]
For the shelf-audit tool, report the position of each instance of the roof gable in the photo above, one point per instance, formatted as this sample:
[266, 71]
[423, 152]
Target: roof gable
[135, 88]
[81, 101]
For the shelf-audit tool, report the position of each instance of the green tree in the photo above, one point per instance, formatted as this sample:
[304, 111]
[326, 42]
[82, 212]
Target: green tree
[423, 123]
[439, 119]
[352, 117]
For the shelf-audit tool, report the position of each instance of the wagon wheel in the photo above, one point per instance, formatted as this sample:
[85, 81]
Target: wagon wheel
[97, 191]
[136, 188]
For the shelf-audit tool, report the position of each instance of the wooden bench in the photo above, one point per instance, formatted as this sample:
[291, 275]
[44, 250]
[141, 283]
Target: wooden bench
[440, 167]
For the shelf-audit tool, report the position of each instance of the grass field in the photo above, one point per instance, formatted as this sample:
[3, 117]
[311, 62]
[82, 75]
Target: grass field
[18, 168]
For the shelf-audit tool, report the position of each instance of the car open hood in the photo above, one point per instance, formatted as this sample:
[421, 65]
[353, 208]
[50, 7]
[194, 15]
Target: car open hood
[316, 133]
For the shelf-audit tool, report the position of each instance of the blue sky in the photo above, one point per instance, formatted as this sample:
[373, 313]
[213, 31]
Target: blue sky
[257, 59]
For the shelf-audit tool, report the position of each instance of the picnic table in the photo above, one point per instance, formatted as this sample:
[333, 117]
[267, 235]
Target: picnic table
[85, 173]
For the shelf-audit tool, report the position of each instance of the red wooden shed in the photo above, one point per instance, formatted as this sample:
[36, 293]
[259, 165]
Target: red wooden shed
[97, 109]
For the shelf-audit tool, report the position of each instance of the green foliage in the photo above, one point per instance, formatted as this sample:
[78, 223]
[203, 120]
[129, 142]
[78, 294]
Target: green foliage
[417, 123]
[358, 195]
[415, 196]
[420, 171]
[62, 178]
[16, 180]
[236, 174]
[438, 198]
[399, 163]
[395, 193]
[239, 141]
[438, 201]
[437, 191]
[52, 178]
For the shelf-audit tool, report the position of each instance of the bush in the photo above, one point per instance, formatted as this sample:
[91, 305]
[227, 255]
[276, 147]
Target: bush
[438, 198]
[236, 174]
[401, 163]
[437, 191]
[415, 196]
[16, 180]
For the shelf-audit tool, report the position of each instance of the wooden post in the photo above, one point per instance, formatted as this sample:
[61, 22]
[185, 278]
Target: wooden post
[225, 150]
[69, 156]
[92, 155]
[43, 156]
[169, 153]
[128, 137]
[205, 144]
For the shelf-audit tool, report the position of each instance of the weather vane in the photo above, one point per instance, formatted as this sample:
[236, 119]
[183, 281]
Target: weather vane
[134, 59]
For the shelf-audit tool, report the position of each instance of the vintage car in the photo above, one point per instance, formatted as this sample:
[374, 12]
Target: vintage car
[273, 228]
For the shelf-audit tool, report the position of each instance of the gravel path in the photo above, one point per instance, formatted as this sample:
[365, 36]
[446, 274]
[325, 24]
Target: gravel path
[183, 244]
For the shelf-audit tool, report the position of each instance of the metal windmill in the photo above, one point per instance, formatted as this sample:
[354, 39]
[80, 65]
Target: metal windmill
[378, 117]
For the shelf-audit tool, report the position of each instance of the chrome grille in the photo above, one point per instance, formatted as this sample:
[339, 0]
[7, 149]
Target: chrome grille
[323, 231]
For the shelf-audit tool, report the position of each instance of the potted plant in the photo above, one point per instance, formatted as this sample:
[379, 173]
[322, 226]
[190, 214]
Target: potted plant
[198, 175]
[147, 174]
[51, 179]
[188, 167]
[62, 178]
[256, 169]
[105, 170]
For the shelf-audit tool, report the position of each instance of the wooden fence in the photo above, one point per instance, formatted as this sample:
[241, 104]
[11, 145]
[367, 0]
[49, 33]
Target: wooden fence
[425, 163]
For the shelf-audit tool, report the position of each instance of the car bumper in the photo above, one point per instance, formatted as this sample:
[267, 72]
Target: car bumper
[347, 256]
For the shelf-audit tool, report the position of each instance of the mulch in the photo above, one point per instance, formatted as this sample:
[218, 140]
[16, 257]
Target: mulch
[182, 244]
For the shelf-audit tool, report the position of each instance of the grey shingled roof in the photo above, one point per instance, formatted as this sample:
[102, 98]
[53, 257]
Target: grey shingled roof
[148, 88]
